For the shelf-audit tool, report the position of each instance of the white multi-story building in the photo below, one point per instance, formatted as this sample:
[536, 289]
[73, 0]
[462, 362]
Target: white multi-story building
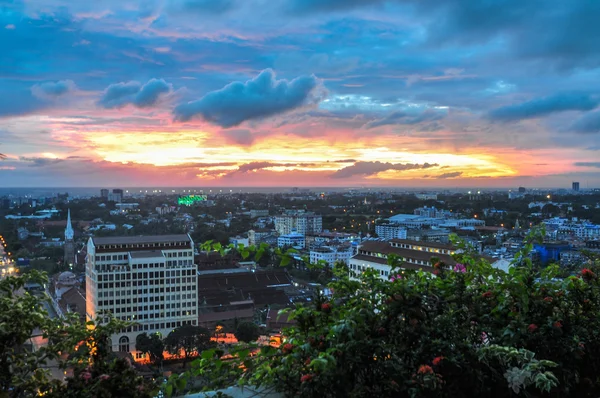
[148, 280]
[293, 239]
[303, 223]
[331, 254]
[390, 231]
[412, 254]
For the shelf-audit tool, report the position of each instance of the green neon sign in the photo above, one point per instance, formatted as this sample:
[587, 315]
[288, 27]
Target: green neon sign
[190, 200]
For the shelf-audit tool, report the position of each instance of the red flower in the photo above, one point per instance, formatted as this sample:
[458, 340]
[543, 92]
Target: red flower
[306, 378]
[326, 308]
[307, 362]
[558, 324]
[586, 301]
[436, 272]
[437, 360]
[287, 348]
[381, 331]
[487, 294]
[582, 346]
[103, 377]
[532, 328]
[437, 265]
[425, 369]
[548, 299]
[587, 274]
[86, 376]
[394, 384]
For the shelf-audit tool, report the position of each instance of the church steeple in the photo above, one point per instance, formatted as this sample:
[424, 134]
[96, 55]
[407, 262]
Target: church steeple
[69, 233]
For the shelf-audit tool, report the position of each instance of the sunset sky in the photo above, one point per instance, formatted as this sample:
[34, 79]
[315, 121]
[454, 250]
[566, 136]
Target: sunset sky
[405, 93]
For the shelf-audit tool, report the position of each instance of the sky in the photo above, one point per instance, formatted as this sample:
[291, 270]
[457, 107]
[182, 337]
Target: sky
[332, 93]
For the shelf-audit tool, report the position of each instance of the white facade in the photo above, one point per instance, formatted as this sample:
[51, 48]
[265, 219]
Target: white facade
[295, 240]
[331, 254]
[390, 231]
[239, 240]
[303, 223]
[149, 280]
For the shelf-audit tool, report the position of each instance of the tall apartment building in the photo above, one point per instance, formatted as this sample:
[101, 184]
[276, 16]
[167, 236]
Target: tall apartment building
[149, 280]
[303, 223]
[390, 231]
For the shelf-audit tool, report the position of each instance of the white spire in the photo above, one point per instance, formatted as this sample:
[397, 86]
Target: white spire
[69, 230]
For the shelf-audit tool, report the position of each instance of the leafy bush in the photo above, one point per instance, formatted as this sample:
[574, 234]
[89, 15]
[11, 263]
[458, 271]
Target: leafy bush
[469, 331]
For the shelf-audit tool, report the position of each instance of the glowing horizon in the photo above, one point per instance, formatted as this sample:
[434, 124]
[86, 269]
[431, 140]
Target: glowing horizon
[298, 93]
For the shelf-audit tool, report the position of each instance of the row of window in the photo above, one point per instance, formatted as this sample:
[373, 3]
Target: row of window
[156, 290]
[157, 315]
[143, 245]
[144, 275]
[122, 257]
[365, 267]
[169, 314]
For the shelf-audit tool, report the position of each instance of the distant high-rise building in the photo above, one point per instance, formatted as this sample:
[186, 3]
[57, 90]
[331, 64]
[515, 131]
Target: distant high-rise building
[104, 193]
[576, 186]
[69, 255]
[522, 190]
[303, 223]
[116, 195]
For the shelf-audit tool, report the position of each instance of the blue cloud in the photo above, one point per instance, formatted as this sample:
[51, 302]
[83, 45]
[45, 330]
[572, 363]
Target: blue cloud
[543, 107]
[207, 6]
[121, 94]
[588, 123]
[372, 168]
[409, 117]
[258, 98]
[53, 89]
[309, 6]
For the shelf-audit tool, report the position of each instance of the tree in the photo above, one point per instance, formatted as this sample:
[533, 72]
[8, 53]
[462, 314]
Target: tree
[247, 332]
[152, 345]
[470, 330]
[31, 343]
[188, 339]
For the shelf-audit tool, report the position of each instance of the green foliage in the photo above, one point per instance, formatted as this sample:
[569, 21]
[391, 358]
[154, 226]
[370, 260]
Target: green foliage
[247, 332]
[152, 345]
[188, 339]
[32, 344]
[467, 332]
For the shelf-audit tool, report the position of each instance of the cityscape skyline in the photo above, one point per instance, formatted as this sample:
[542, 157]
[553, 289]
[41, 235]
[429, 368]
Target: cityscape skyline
[299, 94]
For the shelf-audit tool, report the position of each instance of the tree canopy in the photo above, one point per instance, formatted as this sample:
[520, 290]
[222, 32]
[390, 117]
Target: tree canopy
[469, 331]
[32, 344]
[188, 339]
[247, 332]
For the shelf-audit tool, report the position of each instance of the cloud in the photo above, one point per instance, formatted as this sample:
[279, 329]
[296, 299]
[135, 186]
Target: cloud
[40, 162]
[312, 6]
[588, 123]
[371, 168]
[141, 96]
[50, 90]
[544, 106]
[587, 164]
[239, 136]
[258, 98]
[408, 117]
[215, 7]
[450, 175]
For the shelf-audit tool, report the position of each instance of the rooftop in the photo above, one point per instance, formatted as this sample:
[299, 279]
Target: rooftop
[127, 240]
[146, 254]
[434, 245]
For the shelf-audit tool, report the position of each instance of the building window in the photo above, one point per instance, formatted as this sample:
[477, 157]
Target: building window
[124, 344]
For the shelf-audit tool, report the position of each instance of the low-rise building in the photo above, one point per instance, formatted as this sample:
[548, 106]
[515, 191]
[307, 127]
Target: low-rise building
[294, 239]
[390, 231]
[331, 254]
[413, 255]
